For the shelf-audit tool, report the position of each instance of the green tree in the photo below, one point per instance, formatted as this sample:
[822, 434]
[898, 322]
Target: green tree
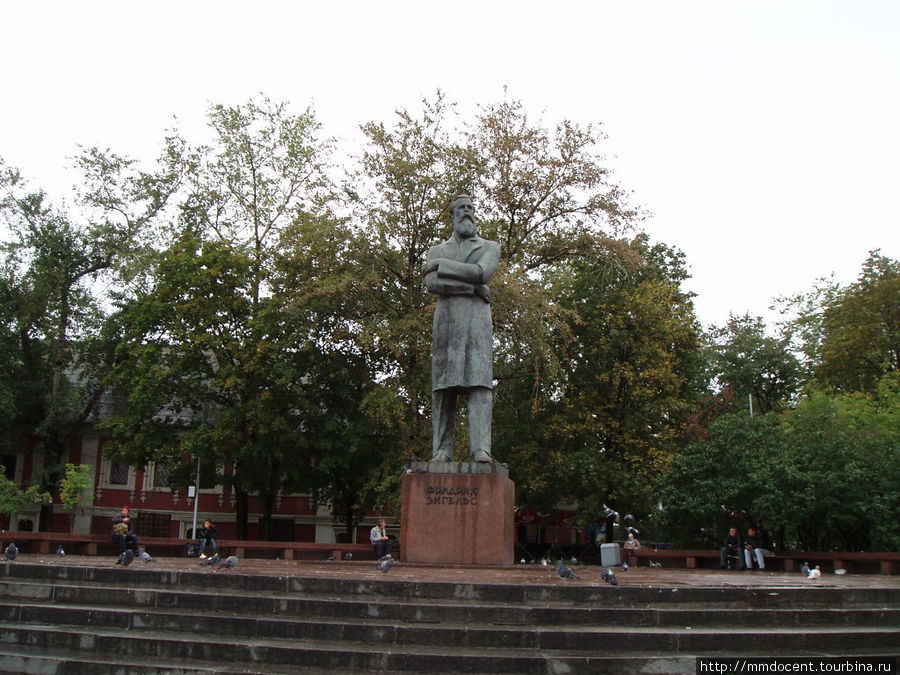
[850, 336]
[400, 194]
[837, 484]
[14, 500]
[209, 362]
[751, 365]
[544, 194]
[632, 374]
[53, 264]
[717, 483]
[822, 476]
[75, 489]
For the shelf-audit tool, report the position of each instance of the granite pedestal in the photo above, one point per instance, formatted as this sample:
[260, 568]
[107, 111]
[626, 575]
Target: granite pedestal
[457, 513]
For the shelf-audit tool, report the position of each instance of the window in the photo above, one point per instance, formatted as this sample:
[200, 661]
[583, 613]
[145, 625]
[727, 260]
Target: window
[152, 524]
[282, 529]
[118, 474]
[161, 476]
[8, 462]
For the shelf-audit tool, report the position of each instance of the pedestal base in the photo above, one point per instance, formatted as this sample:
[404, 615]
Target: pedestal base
[462, 518]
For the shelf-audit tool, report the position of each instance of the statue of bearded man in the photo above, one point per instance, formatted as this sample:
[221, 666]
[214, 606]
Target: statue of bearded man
[458, 272]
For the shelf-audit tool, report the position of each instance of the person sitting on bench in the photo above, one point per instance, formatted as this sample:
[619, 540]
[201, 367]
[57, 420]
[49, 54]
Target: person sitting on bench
[123, 532]
[378, 537]
[733, 548]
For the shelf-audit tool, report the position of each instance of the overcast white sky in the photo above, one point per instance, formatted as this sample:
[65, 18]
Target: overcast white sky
[763, 136]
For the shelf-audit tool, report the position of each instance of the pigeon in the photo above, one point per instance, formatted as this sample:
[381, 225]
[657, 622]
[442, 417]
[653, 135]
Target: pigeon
[574, 560]
[386, 563]
[212, 560]
[60, 552]
[814, 573]
[12, 551]
[127, 557]
[544, 562]
[804, 569]
[230, 562]
[608, 576]
[655, 565]
[624, 566]
[565, 572]
[146, 557]
[522, 561]
[348, 556]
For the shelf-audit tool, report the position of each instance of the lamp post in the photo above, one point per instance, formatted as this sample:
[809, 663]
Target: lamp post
[196, 499]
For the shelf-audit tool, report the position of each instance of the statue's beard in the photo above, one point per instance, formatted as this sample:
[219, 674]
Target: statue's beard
[465, 228]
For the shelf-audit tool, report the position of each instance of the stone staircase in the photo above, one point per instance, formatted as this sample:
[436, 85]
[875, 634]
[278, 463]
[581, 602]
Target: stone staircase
[68, 619]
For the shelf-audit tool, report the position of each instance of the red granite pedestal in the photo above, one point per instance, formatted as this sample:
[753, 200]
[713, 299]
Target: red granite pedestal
[457, 513]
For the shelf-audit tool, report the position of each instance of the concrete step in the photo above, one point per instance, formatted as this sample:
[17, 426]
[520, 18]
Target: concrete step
[61, 619]
[156, 648]
[572, 637]
[203, 580]
[484, 614]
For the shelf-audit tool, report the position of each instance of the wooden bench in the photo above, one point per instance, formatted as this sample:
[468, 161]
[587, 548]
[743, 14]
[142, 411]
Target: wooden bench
[93, 544]
[887, 562]
[294, 550]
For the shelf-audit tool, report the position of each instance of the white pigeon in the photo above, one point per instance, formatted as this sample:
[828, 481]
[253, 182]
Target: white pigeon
[12, 551]
[814, 573]
[146, 557]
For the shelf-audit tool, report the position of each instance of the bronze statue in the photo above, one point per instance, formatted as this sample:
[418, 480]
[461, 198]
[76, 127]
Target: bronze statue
[458, 271]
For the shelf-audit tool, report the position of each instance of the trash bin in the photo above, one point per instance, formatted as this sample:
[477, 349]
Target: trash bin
[610, 554]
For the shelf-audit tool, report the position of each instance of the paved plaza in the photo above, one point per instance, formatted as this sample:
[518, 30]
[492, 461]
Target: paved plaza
[531, 574]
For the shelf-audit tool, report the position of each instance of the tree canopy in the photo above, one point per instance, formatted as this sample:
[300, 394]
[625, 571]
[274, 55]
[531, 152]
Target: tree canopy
[258, 303]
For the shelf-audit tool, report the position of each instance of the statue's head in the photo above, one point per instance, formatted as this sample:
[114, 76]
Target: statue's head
[462, 215]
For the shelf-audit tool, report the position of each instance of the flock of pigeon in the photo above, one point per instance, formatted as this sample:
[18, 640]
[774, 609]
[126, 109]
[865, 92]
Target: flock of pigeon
[215, 560]
[567, 573]
[386, 562]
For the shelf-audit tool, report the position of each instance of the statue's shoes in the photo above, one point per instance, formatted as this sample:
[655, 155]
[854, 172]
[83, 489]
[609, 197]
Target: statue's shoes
[441, 457]
[482, 456]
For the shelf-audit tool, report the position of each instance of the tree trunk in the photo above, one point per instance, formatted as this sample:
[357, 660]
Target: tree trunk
[265, 525]
[241, 512]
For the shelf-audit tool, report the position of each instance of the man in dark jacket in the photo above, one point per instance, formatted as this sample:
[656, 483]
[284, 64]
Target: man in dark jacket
[207, 535]
[733, 548]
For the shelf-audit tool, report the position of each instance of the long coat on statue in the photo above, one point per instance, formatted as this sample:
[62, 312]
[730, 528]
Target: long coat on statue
[462, 340]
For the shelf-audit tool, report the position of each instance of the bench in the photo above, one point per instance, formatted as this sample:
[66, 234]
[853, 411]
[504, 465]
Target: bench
[886, 562]
[294, 550]
[93, 544]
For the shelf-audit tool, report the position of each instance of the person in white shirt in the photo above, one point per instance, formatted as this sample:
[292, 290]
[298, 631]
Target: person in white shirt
[378, 537]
